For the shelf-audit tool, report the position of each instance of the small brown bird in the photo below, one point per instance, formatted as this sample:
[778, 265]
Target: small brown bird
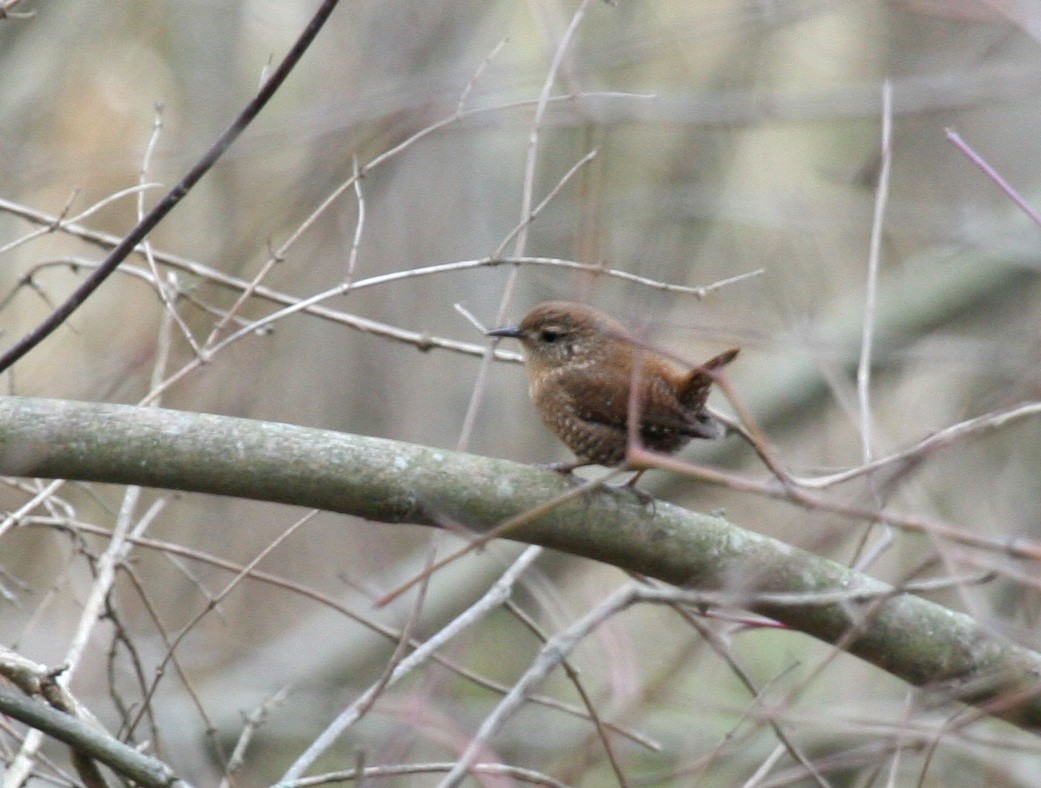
[581, 366]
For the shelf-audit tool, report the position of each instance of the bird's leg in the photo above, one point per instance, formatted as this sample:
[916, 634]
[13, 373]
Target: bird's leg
[645, 498]
[635, 478]
[564, 468]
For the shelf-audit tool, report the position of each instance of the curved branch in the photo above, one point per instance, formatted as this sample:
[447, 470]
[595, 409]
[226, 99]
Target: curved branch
[919, 641]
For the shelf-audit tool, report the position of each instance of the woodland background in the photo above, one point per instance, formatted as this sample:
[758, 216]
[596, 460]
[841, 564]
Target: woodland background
[729, 137]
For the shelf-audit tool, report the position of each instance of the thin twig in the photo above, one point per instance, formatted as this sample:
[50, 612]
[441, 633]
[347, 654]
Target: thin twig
[312, 305]
[21, 765]
[175, 195]
[468, 89]
[352, 259]
[573, 677]
[548, 658]
[994, 175]
[874, 263]
[407, 769]
[60, 222]
[167, 293]
[171, 549]
[863, 560]
[405, 144]
[253, 721]
[533, 214]
[489, 602]
[1013, 546]
[211, 604]
[520, 245]
[940, 439]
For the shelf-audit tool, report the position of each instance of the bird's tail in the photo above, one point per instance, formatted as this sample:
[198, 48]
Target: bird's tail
[694, 392]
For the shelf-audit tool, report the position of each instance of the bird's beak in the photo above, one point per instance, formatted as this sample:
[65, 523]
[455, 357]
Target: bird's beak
[506, 331]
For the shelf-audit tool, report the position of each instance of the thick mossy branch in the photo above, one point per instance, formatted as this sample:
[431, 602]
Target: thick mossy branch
[917, 640]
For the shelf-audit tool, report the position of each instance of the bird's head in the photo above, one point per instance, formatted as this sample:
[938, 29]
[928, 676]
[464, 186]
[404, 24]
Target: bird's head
[560, 333]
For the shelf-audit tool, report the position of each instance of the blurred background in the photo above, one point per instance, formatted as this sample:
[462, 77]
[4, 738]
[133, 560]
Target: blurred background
[730, 136]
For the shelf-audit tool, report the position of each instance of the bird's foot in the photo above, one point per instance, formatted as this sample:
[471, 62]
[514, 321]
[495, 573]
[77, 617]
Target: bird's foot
[644, 498]
[563, 468]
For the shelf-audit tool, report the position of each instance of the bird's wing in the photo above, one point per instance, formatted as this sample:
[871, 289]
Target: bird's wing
[601, 397]
[592, 394]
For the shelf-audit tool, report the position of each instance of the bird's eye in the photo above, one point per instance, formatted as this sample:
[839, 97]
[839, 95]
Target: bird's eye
[548, 335]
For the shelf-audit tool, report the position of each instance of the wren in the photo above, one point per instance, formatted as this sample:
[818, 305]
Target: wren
[581, 367]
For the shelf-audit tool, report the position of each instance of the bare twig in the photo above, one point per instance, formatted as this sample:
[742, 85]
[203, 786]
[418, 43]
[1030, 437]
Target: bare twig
[117, 550]
[167, 290]
[549, 657]
[352, 259]
[406, 769]
[576, 681]
[994, 175]
[176, 194]
[941, 439]
[533, 213]
[253, 721]
[62, 221]
[468, 89]
[212, 603]
[527, 199]
[491, 601]
[867, 438]
[874, 263]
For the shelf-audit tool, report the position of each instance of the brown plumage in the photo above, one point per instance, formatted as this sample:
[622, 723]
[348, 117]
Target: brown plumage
[581, 365]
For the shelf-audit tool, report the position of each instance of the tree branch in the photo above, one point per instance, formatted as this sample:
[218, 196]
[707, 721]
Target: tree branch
[919, 641]
[89, 741]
